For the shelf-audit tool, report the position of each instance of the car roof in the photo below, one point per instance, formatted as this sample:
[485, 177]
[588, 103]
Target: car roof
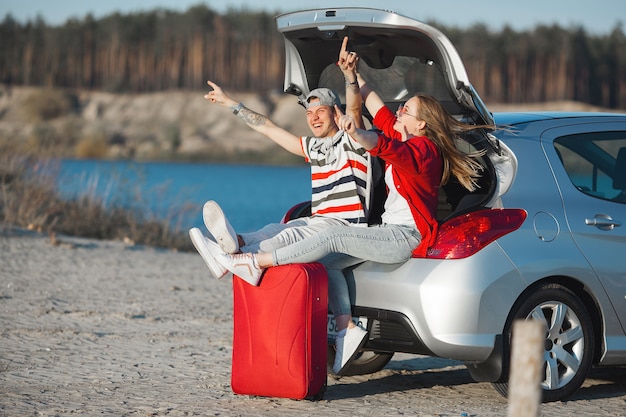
[516, 118]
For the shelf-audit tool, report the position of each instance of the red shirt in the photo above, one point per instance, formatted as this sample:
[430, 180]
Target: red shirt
[417, 167]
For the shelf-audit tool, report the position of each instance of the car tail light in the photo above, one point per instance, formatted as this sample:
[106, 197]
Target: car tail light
[465, 235]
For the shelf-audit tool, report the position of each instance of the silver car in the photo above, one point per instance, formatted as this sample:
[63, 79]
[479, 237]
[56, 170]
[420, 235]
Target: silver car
[542, 238]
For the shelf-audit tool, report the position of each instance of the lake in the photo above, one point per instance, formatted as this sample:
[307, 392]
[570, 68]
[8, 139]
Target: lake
[250, 195]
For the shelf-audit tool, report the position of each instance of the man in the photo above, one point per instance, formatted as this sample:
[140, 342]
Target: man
[340, 176]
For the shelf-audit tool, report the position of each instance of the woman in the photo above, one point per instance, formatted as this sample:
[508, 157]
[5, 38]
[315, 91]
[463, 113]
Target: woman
[413, 174]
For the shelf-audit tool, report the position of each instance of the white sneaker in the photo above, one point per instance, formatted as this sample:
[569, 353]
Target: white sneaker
[220, 228]
[243, 265]
[347, 347]
[208, 250]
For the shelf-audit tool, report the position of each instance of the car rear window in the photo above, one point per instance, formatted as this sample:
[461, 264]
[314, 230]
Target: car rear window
[397, 83]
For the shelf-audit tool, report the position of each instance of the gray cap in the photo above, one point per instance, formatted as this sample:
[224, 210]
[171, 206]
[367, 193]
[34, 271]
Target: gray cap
[326, 96]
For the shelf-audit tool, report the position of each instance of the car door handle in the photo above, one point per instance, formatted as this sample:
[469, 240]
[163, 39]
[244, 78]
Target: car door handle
[603, 222]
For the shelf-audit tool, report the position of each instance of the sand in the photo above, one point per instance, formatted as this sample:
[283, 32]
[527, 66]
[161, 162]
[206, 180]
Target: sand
[103, 328]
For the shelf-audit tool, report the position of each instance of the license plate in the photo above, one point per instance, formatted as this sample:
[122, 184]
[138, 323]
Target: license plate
[331, 328]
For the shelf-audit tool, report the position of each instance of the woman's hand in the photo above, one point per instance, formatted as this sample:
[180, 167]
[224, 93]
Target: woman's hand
[366, 138]
[345, 122]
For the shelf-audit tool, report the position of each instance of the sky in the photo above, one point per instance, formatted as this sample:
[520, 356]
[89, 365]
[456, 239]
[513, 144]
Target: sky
[596, 17]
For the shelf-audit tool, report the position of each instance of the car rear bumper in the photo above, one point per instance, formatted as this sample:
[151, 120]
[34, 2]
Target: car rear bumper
[454, 309]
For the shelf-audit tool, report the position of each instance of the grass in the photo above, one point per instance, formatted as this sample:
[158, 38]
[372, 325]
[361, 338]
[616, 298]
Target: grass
[29, 199]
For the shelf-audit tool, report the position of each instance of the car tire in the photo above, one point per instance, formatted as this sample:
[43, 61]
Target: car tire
[367, 362]
[565, 365]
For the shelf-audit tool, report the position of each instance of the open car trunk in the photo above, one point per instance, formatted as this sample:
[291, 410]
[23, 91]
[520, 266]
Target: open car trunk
[399, 57]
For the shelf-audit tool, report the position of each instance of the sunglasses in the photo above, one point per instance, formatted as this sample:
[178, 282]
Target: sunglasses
[403, 110]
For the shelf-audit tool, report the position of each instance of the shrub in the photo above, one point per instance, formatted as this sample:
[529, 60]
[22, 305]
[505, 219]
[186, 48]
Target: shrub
[93, 146]
[43, 105]
[43, 140]
[29, 199]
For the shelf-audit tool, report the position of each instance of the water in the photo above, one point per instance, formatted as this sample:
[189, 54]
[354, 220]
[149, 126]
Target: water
[250, 195]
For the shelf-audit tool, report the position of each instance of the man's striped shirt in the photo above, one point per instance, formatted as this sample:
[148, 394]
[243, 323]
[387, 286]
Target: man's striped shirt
[340, 177]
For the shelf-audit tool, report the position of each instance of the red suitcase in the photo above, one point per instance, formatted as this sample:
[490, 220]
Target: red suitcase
[279, 340]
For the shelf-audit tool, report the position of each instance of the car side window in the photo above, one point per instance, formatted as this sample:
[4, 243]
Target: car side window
[595, 163]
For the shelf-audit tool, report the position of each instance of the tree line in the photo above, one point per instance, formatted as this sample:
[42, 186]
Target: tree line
[162, 49]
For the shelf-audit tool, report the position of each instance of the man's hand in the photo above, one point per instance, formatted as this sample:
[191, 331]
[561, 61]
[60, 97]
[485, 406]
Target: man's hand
[218, 96]
[347, 61]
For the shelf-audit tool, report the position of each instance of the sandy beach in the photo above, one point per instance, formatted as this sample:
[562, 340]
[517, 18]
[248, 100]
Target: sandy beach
[104, 328]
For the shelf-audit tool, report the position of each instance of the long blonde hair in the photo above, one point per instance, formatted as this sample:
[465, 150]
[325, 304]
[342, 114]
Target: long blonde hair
[442, 128]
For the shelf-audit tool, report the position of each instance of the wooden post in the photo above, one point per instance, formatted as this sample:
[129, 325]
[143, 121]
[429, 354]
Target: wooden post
[526, 365]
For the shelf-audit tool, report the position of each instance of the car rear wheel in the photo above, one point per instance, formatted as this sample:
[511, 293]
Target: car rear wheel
[367, 362]
[568, 346]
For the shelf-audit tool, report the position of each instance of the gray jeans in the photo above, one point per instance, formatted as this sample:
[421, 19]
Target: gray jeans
[278, 235]
[338, 247]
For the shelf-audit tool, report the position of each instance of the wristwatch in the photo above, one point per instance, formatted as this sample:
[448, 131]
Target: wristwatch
[237, 108]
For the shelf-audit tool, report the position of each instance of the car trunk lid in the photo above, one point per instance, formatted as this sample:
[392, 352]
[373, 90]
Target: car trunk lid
[399, 57]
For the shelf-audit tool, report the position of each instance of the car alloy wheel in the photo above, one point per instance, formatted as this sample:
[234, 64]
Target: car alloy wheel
[568, 345]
